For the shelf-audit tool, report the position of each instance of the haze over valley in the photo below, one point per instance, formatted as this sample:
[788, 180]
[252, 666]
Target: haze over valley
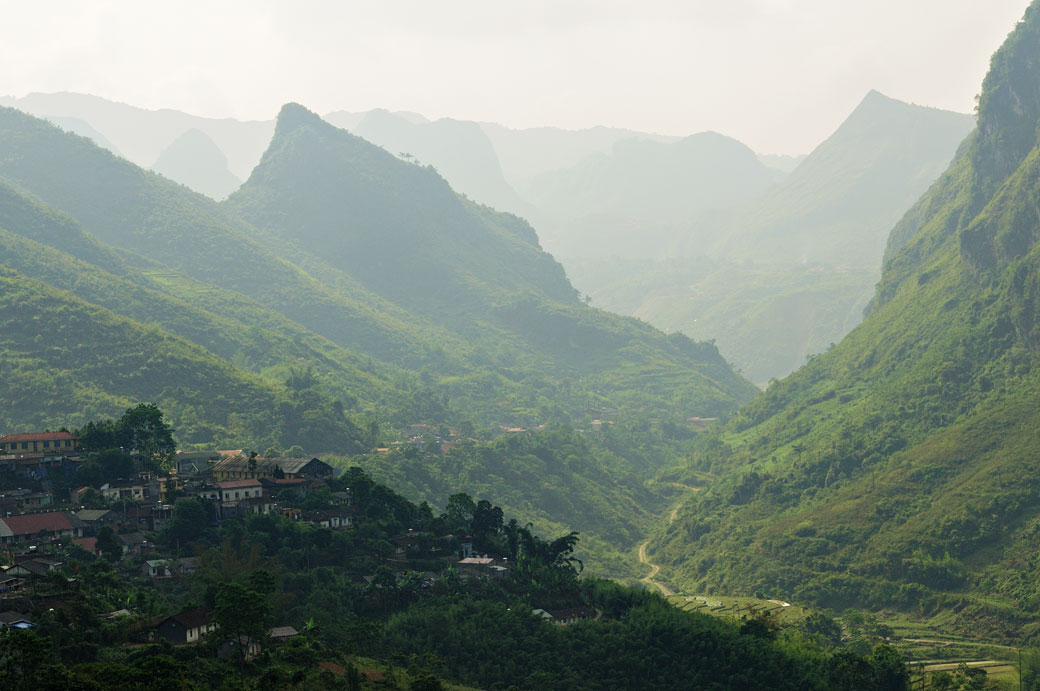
[533, 371]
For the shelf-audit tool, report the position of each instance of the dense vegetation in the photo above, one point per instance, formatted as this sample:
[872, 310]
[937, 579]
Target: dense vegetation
[897, 470]
[410, 619]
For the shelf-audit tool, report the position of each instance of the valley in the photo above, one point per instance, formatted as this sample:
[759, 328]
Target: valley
[372, 399]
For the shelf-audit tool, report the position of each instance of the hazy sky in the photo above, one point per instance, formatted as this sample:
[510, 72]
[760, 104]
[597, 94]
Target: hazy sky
[779, 75]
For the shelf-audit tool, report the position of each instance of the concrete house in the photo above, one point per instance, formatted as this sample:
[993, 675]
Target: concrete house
[186, 627]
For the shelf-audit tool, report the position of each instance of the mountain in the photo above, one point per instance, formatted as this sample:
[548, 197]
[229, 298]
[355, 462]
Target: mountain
[786, 274]
[839, 204]
[141, 135]
[195, 161]
[631, 202]
[84, 129]
[899, 469]
[330, 195]
[466, 323]
[459, 150]
[529, 152]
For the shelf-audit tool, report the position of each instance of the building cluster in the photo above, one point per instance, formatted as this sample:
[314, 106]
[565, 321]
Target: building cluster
[119, 520]
[35, 518]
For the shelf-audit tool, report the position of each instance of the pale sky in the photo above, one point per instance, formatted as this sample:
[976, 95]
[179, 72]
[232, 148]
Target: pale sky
[779, 75]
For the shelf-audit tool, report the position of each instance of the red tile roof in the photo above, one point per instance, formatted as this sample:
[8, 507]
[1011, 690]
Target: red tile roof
[87, 543]
[39, 436]
[31, 523]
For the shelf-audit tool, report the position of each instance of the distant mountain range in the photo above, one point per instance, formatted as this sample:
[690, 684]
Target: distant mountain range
[787, 272]
[635, 200]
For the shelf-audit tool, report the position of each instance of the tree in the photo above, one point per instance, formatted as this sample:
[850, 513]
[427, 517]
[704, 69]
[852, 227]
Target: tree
[142, 428]
[108, 543]
[823, 627]
[242, 616]
[190, 518]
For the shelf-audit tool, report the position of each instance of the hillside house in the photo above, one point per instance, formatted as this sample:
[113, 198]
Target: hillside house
[95, 519]
[32, 567]
[186, 627]
[194, 462]
[134, 543]
[280, 634]
[15, 620]
[128, 492]
[566, 617]
[36, 527]
[39, 443]
[243, 468]
[235, 490]
[334, 520]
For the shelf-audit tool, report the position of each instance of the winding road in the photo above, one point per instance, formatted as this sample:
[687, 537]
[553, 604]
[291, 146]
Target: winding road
[654, 568]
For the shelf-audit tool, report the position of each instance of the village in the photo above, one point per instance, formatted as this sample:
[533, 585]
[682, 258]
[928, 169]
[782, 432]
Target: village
[129, 521]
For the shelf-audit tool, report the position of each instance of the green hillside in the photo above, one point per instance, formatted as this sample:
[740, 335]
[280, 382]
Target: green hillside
[396, 226]
[899, 469]
[65, 359]
[176, 229]
[332, 200]
[235, 329]
[329, 364]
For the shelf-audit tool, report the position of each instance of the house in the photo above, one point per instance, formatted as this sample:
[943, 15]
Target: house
[565, 617]
[134, 543]
[37, 527]
[161, 515]
[275, 486]
[280, 634]
[234, 490]
[186, 627]
[194, 462]
[37, 566]
[157, 568]
[168, 568]
[334, 520]
[89, 544]
[404, 542]
[39, 443]
[242, 468]
[10, 583]
[481, 566]
[94, 519]
[14, 620]
[127, 493]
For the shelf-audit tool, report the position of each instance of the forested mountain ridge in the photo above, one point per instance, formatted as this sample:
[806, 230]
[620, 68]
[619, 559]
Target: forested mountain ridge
[401, 232]
[397, 226]
[899, 469]
[313, 357]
